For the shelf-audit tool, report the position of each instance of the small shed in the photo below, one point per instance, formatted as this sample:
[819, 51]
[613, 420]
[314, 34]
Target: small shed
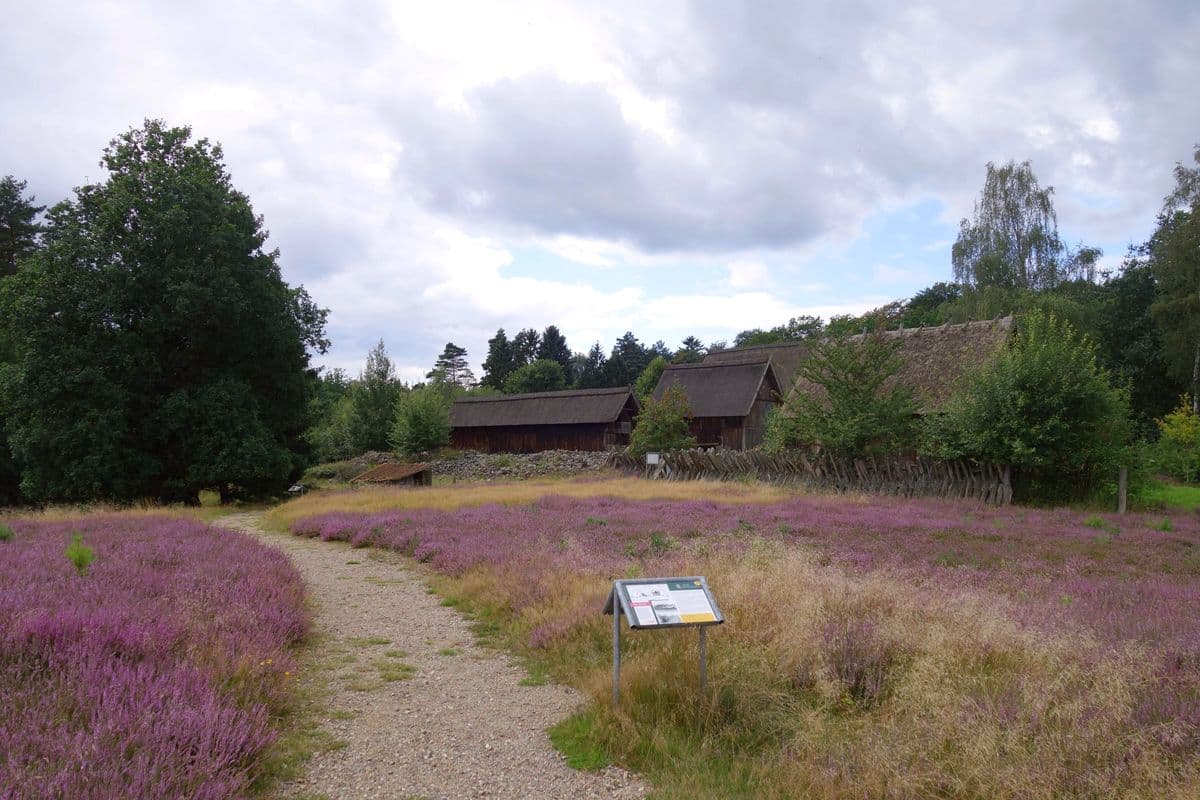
[729, 400]
[401, 474]
[576, 419]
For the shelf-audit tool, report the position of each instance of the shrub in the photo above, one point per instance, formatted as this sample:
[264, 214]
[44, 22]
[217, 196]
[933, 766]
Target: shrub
[79, 554]
[644, 386]
[542, 375]
[663, 425]
[6, 533]
[1179, 445]
[1042, 405]
[422, 421]
[854, 406]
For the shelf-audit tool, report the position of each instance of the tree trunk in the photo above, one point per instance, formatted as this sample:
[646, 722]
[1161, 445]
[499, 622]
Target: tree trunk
[1196, 382]
[226, 493]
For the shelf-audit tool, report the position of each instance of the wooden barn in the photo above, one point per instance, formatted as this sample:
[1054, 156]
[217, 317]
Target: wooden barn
[729, 400]
[576, 419]
[932, 359]
[397, 474]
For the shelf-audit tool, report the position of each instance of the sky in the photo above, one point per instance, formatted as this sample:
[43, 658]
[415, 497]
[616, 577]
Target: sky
[431, 172]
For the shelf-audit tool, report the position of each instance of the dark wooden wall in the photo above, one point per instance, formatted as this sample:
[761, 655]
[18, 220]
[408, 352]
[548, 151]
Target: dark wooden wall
[535, 438]
[717, 431]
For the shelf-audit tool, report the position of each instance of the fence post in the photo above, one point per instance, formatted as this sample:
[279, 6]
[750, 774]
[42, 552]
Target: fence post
[1122, 489]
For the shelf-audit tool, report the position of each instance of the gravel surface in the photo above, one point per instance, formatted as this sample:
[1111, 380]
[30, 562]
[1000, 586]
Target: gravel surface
[460, 726]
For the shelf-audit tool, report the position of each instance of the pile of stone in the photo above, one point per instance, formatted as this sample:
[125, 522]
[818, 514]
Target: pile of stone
[472, 466]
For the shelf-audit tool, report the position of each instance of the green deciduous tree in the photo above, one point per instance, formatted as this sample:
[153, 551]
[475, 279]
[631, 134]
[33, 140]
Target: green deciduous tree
[159, 351]
[1042, 405]
[1013, 241]
[851, 403]
[19, 228]
[1178, 449]
[643, 387]
[663, 425]
[422, 421]
[1173, 253]
[542, 375]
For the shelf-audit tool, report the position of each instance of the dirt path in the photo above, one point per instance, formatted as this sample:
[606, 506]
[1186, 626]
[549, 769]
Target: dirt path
[425, 712]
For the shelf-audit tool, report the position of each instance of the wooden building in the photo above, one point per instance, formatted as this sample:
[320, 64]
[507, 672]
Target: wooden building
[407, 474]
[576, 419]
[932, 360]
[729, 400]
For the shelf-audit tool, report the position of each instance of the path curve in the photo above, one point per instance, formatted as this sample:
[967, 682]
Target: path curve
[460, 727]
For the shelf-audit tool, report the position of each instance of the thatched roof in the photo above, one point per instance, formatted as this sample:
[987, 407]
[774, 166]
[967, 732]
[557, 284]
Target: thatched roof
[719, 390]
[572, 407]
[387, 473]
[933, 358]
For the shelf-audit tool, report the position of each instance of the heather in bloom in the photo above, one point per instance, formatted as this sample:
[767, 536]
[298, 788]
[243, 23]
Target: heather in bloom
[876, 646]
[153, 675]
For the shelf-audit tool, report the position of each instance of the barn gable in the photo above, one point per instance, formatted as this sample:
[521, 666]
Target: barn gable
[729, 401]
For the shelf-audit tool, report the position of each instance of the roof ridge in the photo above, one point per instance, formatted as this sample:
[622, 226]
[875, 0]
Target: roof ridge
[532, 395]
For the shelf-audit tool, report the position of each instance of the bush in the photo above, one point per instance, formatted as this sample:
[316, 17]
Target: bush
[79, 554]
[663, 425]
[542, 375]
[1042, 405]
[6, 533]
[644, 386]
[854, 406]
[422, 421]
[1178, 448]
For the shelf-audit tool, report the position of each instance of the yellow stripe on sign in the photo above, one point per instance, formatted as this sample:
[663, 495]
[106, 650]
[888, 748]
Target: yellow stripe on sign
[706, 617]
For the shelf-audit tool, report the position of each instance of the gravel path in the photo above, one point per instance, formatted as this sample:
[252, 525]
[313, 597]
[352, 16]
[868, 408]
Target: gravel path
[424, 711]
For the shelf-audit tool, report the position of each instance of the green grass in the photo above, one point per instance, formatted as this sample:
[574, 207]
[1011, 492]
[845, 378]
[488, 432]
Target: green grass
[578, 739]
[449, 651]
[1160, 494]
[367, 641]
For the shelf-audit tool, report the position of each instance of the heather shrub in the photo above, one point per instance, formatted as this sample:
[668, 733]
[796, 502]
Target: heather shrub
[1041, 660]
[159, 676]
[79, 554]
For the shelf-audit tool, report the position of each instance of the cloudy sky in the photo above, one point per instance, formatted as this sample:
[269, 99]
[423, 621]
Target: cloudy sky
[434, 171]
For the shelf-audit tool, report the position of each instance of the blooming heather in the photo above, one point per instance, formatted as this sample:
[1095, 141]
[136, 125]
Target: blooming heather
[151, 676]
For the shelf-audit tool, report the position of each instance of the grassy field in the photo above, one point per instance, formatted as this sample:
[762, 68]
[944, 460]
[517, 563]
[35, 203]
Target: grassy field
[875, 647]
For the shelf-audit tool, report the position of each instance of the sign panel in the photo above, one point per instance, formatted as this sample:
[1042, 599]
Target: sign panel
[665, 602]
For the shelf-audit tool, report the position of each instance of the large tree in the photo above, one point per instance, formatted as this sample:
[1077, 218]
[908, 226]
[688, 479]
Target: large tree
[373, 400]
[525, 346]
[19, 228]
[500, 361]
[1013, 240]
[589, 369]
[160, 350]
[451, 368]
[553, 347]
[1174, 256]
[542, 375]
[627, 361]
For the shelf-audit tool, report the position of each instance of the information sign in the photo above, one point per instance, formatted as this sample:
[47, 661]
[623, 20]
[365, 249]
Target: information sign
[650, 603]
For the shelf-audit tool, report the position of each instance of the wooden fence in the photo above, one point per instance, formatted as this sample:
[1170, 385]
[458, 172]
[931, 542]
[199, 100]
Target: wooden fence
[906, 476]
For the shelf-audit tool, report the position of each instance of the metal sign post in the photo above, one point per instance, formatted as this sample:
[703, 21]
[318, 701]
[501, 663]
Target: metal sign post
[662, 603]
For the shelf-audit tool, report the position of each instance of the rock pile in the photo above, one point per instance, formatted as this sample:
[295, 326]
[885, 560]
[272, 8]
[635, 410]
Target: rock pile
[472, 466]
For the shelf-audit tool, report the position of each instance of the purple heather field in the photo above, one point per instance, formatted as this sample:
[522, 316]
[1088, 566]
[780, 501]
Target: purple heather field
[151, 676]
[1127, 581]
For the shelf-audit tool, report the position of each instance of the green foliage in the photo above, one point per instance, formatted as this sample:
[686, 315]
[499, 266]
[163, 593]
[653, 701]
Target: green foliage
[19, 229]
[1178, 447]
[553, 347]
[1173, 254]
[373, 402]
[333, 434]
[1013, 242]
[925, 307]
[589, 370]
[79, 554]
[451, 367]
[500, 361]
[581, 745]
[855, 407]
[422, 422]
[542, 375]
[663, 425]
[691, 351]
[643, 387]
[6, 533]
[626, 362]
[157, 349]
[1042, 405]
